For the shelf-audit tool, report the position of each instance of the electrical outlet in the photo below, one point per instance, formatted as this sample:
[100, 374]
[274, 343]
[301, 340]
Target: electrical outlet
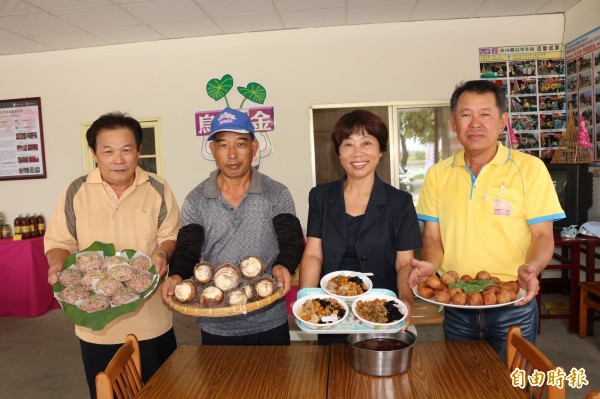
[596, 172]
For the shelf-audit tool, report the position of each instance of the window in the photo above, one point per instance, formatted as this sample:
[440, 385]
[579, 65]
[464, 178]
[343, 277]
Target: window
[150, 156]
[425, 137]
[420, 135]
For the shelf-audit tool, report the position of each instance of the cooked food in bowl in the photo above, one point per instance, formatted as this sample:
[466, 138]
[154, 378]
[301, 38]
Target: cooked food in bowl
[379, 311]
[346, 285]
[320, 311]
[315, 310]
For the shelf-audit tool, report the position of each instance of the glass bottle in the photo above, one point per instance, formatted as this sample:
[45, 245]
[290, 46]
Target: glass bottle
[41, 224]
[25, 229]
[18, 229]
[33, 230]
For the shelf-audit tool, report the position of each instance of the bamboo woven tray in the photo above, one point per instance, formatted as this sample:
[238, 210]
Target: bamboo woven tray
[198, 310]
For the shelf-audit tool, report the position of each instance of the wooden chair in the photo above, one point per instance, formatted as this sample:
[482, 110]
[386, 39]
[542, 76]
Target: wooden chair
[592, 395]
[123, 375]
[522, 354]
[587, 302]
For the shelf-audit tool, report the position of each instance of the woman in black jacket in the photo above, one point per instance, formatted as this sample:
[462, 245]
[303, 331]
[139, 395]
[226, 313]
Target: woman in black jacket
[360, 223]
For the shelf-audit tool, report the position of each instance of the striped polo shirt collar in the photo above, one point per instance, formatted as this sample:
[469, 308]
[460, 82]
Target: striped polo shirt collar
[502, 156]
[211, 189]
[140, 176]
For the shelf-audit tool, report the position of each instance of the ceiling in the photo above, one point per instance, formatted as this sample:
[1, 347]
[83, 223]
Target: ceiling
[28, 26]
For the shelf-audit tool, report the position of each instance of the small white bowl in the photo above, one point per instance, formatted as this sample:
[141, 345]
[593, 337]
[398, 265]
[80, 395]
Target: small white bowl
[297, 307]
[380, 326]
[347, 299]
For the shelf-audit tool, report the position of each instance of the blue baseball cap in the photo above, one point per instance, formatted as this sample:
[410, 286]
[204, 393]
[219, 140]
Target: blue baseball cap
[231, 120]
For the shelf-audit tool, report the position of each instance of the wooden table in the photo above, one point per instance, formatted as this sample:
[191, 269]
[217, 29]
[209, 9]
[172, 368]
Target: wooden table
[468, 369]
[458, 369]
[197, 371]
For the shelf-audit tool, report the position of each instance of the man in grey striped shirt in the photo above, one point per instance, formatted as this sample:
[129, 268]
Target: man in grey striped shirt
[234, 213]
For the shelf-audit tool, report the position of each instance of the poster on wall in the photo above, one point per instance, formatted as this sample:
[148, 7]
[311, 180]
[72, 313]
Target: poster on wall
[533, 77]
[21, 139]
[583, 84]
[262, 117]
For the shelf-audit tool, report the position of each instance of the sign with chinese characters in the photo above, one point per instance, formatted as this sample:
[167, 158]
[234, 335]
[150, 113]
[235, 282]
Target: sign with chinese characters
[263, 120]
[21, 139]
[556, 377]
[533, 77]
[583, 85]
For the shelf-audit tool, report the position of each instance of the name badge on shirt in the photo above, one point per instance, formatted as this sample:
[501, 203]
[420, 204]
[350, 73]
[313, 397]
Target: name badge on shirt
[502, 207]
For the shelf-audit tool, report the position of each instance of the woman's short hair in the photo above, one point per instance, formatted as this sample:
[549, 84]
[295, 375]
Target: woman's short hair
[359, 121]
[110, 121]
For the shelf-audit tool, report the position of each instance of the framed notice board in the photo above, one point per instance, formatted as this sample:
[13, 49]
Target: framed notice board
[21, 139]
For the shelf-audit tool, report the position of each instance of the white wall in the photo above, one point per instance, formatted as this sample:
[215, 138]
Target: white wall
[581, 18]
[299, 68]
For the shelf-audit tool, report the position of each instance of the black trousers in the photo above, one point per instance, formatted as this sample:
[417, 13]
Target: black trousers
[276, 336]
[153, 352]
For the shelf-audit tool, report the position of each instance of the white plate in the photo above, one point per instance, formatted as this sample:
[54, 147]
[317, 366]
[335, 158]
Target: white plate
[520, 296]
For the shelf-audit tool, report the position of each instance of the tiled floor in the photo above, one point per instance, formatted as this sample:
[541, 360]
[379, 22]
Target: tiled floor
[40, 357]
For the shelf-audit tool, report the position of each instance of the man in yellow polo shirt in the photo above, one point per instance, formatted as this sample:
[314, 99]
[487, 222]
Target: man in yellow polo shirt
[488, 208]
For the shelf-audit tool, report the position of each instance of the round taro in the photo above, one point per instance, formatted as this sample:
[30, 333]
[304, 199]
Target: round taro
[140, 281]
[87, 261]
[70, 277]
[95, 303]
[122, 272]
[108, 286]
[124, 295]
[113, 261]
[142, 263]
[74, 295]
[90, 278]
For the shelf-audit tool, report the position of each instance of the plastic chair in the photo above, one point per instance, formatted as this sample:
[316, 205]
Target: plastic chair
[522, 354]
[123, 375]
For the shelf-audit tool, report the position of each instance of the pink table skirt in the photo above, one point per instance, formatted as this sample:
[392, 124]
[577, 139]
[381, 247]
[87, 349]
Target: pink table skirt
[24, 274]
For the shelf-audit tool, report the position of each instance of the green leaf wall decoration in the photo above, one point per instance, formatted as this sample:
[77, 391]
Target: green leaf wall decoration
[254, 92]
[218, 88]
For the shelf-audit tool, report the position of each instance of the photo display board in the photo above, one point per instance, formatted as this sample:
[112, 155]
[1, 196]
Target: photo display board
[533, 77]
[21, 139]
[583, 84]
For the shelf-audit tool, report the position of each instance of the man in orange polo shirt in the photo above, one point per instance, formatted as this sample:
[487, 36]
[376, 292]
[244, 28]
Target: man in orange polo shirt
[118, 203]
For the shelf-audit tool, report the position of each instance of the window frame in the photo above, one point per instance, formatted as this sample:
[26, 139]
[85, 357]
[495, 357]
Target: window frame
[154, 123]
[393, 142]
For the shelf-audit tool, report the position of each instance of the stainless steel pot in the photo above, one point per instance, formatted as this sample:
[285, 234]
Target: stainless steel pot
[381, 362]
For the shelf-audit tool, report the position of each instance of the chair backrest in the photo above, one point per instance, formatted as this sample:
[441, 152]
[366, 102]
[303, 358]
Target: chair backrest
[123, 375]
[522, 354]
